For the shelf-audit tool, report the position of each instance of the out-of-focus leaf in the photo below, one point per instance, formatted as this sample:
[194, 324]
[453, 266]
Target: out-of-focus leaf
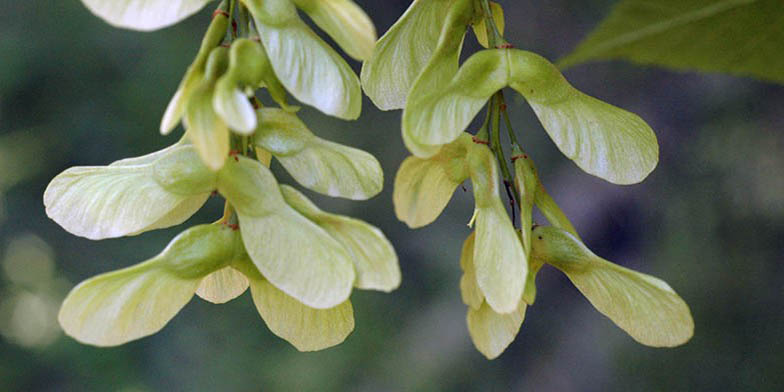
[499, 258]
[402, 53]
[741, 37]
[423, 187]
[309, 68]
[345, 22]
[131, 303]
[647, 308]
[293, 253]
[130, 196]
[319, 165]
[375, 261]
[493, 332]
[144, 15]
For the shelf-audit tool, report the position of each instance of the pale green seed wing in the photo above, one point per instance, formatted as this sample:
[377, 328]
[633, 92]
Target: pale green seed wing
[131, 303]
[306, 328]
[499, 258]
[345, 22]
[293, 253]
[375, 261]
[439, 116]
[493, 332]
[222, 285]
[309, 68]
[423, 187]
[144, 15]
[431, 84]
[642, 305]
[480, 28]
[469, 290]
[402, 53]
[193, 76]
[125, 198]
[248, 65]
[645, 307]
[317, 164]
[600, 138]
[205, 129]
[741, 37]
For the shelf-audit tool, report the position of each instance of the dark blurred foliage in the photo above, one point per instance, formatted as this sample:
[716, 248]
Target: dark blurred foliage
[709, 220]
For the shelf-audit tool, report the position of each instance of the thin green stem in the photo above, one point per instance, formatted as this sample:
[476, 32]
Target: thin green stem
[232, 22]
[495, 137]
[507, 121]
[494, 36]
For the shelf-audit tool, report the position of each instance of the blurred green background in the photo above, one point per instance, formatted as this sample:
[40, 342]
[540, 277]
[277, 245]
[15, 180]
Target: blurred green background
[709, 221]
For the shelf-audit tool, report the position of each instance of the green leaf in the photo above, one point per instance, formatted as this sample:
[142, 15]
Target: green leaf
[480, 28]
[423, 187]
[131, 303]
[144, 15]
[499, 258]
[193, 76]
[601, 139]
[222, 285]
[306, 328]
[493, 332]
[130, 196]
[345, 22]
[319, 165]
[375, 261]
[642, 305]
[741, 37]
[435, 77]
[293, 253]
[309, 68]
[402, 53]
[469, 290]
